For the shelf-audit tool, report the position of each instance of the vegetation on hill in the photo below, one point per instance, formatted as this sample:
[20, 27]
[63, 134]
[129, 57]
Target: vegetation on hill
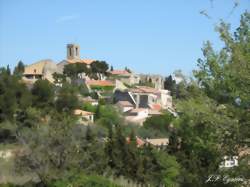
[213, 121]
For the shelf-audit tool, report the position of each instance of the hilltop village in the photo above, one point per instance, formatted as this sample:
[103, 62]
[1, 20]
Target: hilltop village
[136, 96]
[81, 122]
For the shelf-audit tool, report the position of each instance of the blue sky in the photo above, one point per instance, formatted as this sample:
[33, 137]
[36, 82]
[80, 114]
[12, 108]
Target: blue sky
[150, 36]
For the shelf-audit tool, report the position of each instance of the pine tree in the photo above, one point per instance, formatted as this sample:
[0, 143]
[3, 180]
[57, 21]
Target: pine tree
[97, 112]
[19, 69]
[8, 70]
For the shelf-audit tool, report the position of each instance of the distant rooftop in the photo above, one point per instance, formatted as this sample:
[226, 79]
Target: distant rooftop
[99, 83]
[119, 72]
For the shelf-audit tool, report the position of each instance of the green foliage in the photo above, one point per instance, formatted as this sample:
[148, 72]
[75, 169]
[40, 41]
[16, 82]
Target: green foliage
[7, 132]
[144, 132]
[169, 169]
[59, 78]
[14, 95]
[170, 84]
[88, 107]
[8, 71]
[107, 115]
[98, 68]
[211, 124]
[111, 68]
[146, 83]
[43, 93]
[74, 70]
[66, 98]
[224, 75]
[59, 148]
[159, 122]
[143, 165]
[127, 69]
[102, 88]
[83, 180]
[19, 69]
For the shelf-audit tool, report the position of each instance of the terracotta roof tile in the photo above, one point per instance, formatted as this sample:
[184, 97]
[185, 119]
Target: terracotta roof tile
[144, 89]
[139, 141]
[82, 112]
[156, 107]
[99, 83]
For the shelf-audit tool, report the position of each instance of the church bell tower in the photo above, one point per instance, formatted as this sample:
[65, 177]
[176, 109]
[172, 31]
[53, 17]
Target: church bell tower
[73, 51]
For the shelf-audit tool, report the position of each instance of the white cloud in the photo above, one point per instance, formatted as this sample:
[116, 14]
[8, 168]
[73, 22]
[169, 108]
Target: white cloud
[67, 18]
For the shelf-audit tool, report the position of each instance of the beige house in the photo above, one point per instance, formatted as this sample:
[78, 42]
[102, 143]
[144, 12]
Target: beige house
[137, 115]
[158, 142]
[124, 106]
[85, 117]
[43, 69]
[125, 77]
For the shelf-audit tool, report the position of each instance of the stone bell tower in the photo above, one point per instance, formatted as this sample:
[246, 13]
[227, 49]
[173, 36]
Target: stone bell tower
[73, 51]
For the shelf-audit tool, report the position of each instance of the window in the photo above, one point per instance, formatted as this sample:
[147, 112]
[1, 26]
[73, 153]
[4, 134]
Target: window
[76, 51]
[70, 52]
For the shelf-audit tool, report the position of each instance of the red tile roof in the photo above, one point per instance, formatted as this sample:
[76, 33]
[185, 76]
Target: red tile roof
[144, 89]
[82, 112]
[99, 83]
[139, 141]
[156, 107]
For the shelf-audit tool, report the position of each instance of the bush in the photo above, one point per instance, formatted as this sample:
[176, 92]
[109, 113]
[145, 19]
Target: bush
[159, 122]
[82, 180]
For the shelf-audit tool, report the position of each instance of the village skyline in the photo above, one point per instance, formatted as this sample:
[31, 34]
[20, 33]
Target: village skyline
[122, 34]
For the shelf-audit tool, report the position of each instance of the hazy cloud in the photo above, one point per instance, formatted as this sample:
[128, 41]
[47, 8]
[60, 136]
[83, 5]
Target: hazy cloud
[67, 18]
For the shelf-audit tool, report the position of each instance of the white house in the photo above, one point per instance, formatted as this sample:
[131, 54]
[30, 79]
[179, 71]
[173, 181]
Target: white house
[229, 162]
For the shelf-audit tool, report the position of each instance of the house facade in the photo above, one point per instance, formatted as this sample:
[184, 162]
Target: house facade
[145, 97]
[43, 69]
[124, 76]
[84, 117]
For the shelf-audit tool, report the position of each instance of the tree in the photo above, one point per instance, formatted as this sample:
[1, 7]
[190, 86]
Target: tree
[170, 84]
[127, 69]
[67, 99]
[14, 95]
[59, 78]
[225, 75]
[99, 68]
[19, 69]
[97, 112]
[111, 68]
[159, 122]
[43, 93]
[211, 124]
[76, 70]
[68, 150]
[8, 71]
